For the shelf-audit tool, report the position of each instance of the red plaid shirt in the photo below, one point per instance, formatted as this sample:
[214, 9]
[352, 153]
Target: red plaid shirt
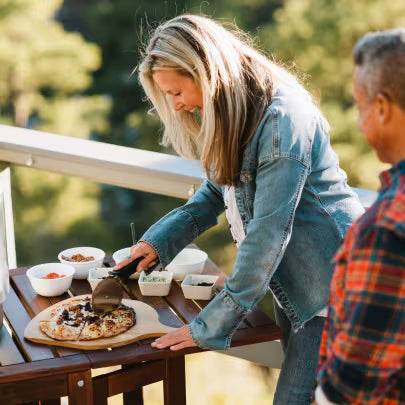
[362, 355]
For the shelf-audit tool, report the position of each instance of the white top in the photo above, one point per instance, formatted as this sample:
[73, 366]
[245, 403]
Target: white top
[237, 231]
[233, 216]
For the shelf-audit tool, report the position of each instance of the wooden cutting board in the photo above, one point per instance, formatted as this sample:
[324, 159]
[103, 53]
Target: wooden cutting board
[147, 325]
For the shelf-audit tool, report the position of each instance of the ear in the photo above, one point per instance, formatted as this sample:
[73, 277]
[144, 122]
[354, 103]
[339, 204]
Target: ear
[384, 107]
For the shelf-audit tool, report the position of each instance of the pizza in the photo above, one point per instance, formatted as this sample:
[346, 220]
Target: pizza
[76, 320]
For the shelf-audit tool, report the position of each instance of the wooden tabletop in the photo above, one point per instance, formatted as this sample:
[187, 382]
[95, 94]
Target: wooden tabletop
[21, 359]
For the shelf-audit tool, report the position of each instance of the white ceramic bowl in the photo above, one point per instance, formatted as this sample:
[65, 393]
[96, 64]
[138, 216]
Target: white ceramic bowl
[155, 288]
[192, 290]
[82, 268]
[188, 261]
[51, 287]
[122, 254]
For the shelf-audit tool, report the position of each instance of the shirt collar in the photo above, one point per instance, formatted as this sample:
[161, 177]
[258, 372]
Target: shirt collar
[387, 176]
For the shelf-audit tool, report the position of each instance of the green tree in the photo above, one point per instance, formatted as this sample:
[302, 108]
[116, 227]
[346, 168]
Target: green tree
[43, 73]
[318, 36]
[39, 59]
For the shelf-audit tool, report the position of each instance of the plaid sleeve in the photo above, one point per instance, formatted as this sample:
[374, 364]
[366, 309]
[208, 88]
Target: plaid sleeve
[367, 349]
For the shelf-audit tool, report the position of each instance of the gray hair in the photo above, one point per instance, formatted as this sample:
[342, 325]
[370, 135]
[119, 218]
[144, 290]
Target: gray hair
[381, 57]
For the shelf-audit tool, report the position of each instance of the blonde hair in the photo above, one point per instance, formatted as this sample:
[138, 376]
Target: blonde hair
[236, 83]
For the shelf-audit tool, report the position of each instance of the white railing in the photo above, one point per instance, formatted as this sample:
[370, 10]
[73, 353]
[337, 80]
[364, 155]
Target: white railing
[101, 162]
[107, 163]
[126, 167]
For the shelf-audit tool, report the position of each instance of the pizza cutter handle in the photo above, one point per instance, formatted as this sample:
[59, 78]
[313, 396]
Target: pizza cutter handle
[130, 268]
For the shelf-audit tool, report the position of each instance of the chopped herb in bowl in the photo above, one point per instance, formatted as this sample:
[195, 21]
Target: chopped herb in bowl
[204, 284]
[154, 279]
[156, 283]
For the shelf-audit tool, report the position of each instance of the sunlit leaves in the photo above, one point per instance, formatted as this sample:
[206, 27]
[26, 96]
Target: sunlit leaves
[37, 55]
[318, 35]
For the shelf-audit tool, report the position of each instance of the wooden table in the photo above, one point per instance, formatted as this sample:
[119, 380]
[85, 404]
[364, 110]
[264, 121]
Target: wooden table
[42, 374]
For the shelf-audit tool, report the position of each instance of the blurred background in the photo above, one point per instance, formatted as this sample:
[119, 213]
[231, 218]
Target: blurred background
[65, 68]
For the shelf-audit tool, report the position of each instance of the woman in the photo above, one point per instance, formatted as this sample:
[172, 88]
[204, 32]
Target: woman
[265, 148]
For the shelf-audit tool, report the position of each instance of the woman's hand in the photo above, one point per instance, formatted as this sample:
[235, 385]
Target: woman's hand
[140, 249]
[178, 339]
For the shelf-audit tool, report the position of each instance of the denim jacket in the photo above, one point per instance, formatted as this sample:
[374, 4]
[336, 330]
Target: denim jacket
[295, 206]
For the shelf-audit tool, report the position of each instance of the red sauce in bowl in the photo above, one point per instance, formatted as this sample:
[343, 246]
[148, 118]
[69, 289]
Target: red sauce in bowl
[53, 275]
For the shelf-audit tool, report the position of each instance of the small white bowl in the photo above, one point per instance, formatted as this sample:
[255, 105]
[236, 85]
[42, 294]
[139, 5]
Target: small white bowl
[122, 254]
[82, 268]
[193, 291]
[50, 287]
[155, 288]
[188, 261]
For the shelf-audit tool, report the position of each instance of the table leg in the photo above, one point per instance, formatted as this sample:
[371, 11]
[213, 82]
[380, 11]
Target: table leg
[134, 397]
[175, 382]
[100, 391]
[80, 388]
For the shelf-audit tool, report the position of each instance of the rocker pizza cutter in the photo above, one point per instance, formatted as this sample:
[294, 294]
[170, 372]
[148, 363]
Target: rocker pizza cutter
[108, 293]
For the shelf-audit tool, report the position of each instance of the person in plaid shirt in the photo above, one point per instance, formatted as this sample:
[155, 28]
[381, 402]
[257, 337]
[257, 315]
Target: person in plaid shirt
[362, 353]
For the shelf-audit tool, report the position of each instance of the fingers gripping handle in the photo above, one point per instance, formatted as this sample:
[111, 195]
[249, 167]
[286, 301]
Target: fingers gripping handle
[130, 268]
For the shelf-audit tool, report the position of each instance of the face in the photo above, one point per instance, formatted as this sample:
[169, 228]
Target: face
[182, 91]
[369, 118]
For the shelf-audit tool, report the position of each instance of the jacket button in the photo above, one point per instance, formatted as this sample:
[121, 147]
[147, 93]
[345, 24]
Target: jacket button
[229, 226]
[235, 242]
[226, 207]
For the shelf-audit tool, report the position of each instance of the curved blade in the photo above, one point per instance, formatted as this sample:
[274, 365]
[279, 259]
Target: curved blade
[107, 295]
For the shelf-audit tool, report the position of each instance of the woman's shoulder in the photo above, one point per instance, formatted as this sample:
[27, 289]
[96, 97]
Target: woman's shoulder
[288, 125]
[292, 103]
[292, 107]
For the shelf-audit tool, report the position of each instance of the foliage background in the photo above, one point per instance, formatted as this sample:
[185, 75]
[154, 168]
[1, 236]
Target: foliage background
[65, 68]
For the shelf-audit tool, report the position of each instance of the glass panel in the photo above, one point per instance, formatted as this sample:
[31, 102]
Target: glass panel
[3, 238]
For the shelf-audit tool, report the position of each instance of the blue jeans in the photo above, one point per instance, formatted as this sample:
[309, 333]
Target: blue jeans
[301, 350]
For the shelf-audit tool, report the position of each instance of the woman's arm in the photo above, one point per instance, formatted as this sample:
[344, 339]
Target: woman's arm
[182, 225]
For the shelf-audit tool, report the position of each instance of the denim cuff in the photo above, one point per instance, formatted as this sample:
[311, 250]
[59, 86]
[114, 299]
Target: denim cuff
[214, 326]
